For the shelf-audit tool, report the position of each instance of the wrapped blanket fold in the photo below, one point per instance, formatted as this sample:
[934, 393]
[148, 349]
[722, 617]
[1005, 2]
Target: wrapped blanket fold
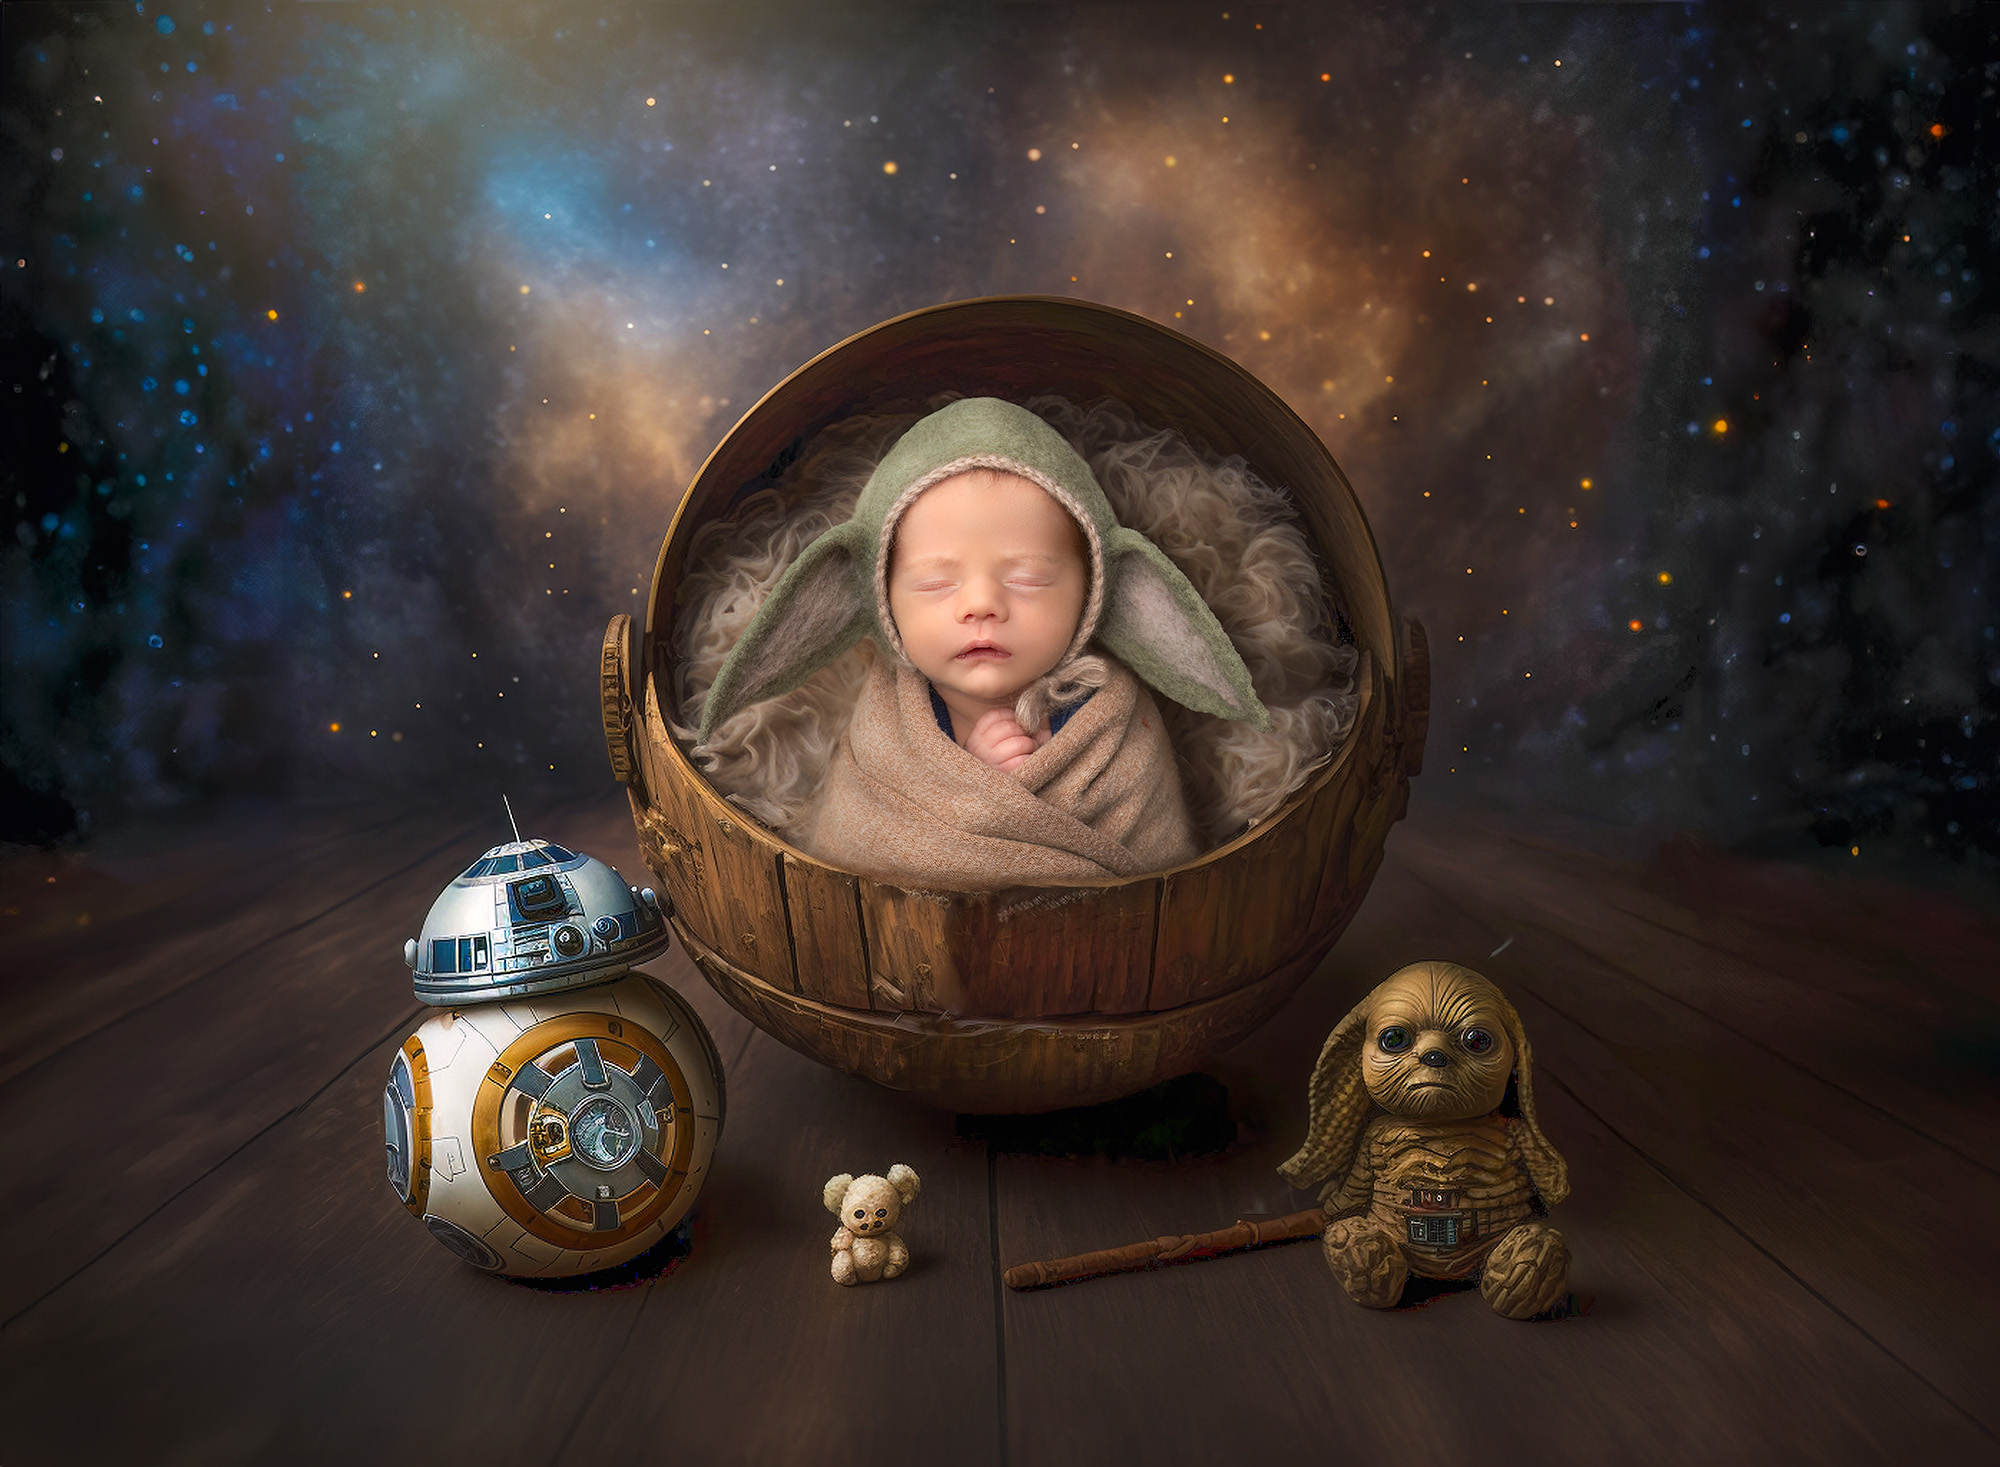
[902, 802]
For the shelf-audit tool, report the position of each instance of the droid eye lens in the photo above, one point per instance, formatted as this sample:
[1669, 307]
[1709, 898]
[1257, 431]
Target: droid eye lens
[602, 1133]
[1394, 1039]
[1476, 1041]
[537, 897]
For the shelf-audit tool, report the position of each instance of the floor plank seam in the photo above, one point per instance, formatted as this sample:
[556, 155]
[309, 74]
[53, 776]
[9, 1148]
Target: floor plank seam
[1796, 1064]
[398, 1027]
[1776, 1262]
[624, 1352]
[1865, 965]
[736, 1061]
[231, 961]
[999, 1301]
[1694, 1008]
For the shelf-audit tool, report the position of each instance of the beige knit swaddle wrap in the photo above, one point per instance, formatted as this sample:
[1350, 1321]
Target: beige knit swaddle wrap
[902, 802]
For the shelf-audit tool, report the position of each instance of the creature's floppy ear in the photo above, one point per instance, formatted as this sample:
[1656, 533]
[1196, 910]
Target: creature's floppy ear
[821, 606]
[905, 1182]
[1156, 623]
[1340, 1104]
[1545, 1164]
[835, 1191]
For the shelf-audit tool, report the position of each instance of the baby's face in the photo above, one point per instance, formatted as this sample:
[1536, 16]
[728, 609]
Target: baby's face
[987, 584]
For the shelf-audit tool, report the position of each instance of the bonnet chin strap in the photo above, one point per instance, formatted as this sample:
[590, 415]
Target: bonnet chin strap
[1069, 683]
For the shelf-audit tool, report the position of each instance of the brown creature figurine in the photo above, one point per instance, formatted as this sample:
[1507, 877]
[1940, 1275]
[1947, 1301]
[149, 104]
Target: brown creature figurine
[865, 1246]
[1428, 1167]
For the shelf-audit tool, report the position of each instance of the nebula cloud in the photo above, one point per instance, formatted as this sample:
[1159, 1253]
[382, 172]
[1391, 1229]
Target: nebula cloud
[359, 359]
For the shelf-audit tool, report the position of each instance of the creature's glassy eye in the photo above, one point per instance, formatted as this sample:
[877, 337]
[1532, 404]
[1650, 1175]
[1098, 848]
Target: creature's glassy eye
[881, 1212]
[861, 1212]
[1393, 1040]
[1476, 1041]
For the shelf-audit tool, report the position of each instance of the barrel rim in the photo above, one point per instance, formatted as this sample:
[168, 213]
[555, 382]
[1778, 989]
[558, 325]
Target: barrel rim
[1067, 303]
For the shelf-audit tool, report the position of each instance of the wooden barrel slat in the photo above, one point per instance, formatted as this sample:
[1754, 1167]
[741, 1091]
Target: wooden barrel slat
[1034, 952]
[824, 909]
[746, 899]
[997, 1065]
[724, 877]
[1035, 997]
[665, 829]
[1230, 918]
[909, 949]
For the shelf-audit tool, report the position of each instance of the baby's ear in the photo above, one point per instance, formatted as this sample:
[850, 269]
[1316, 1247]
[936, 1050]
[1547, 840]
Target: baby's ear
[835, 1190]
[905, 1181]
[820, 607]
[1156, 623]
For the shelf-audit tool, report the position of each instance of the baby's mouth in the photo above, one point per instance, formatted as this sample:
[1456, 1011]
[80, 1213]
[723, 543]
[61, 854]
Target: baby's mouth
[979, 651]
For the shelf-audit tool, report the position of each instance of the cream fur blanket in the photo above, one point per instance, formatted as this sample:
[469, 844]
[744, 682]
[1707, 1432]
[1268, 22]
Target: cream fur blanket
[902, 802]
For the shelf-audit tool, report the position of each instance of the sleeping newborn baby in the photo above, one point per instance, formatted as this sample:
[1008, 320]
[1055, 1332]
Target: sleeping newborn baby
[987, 581]
[992, 744]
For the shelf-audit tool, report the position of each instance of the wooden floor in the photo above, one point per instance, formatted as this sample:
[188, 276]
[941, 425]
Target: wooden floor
[1776, 1091]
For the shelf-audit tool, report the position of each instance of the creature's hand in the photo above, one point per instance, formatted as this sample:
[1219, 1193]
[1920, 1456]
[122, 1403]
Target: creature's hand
[843, 1239]
[999, 740]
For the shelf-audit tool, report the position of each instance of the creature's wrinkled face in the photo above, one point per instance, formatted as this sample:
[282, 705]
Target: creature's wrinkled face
[1437, 1048]
[870, 1207]
[987, 584]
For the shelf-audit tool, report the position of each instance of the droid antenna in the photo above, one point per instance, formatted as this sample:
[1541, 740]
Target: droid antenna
[511, 820]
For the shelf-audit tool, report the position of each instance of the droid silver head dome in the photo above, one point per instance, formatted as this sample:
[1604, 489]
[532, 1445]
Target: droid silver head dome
[532, 917]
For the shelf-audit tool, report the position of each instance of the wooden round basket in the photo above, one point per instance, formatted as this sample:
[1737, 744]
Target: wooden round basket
[1037, 997]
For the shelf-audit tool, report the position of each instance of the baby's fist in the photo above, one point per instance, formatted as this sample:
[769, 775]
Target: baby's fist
[998, 739]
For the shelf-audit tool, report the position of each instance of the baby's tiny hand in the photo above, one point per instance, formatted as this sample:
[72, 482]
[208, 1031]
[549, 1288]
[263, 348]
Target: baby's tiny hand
[998, 739]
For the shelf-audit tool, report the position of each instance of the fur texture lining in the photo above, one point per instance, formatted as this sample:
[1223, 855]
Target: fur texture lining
[1235, 538]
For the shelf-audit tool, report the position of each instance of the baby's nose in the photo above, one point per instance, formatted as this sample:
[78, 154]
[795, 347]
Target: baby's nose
[981, 596]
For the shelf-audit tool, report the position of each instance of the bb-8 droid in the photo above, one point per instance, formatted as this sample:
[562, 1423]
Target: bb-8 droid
[560, 1114]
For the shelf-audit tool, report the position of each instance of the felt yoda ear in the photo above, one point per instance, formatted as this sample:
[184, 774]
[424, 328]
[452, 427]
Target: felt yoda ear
[821, 606]
[1156, 623]
[1339, 1107]
[1544, 1162]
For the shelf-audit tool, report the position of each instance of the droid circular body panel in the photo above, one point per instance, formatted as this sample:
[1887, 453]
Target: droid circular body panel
[406, 1124]
[532, 917]
[558, 1134]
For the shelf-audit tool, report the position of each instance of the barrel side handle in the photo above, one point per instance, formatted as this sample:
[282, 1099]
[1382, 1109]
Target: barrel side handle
[1416, 699]
[620, 712]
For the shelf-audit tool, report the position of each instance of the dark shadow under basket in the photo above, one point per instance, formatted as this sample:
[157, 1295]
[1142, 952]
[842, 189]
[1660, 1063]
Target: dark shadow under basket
[1036, 997]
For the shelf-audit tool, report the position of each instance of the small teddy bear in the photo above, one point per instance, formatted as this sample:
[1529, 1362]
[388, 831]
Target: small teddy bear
[866, 1247]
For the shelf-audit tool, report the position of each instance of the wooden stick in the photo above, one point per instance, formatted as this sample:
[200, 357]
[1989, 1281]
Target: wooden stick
[1245, 1234]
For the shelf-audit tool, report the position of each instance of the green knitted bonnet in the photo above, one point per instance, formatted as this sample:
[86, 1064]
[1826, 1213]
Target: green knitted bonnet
[1140, 608]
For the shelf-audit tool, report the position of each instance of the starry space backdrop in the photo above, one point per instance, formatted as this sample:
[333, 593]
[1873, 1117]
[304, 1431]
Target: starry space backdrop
[355, 359]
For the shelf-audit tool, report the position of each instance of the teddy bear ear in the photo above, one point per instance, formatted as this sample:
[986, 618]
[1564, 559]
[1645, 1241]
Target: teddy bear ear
[835, 1190]
[905, 1181]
